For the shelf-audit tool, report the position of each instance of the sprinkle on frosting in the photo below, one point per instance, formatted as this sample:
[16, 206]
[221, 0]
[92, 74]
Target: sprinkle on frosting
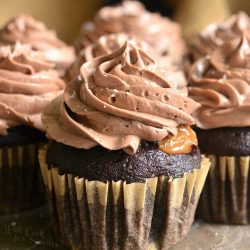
[117, 100]
[25, 29]
[221, 83]
[28, 84]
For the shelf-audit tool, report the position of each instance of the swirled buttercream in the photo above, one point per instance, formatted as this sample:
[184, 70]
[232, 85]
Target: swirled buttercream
[117, 100]
[221, 83]
[27, 85]
[25, 29]
[214, 35]
[108, 43]
[130, 17]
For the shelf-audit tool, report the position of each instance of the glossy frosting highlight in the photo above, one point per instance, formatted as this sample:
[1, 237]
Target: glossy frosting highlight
[130, 17]
[221, 83]
[117, 100]
[25, 29]
[28, 84]
[214, 35]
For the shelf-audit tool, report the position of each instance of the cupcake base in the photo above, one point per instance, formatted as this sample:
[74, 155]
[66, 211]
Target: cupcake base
[21, 185]
[115, 215]
[225, 197]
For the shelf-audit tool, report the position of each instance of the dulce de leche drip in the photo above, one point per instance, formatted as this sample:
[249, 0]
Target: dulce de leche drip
[181, 143]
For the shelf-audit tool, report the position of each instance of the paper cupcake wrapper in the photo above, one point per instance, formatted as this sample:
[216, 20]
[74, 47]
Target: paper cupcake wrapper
[115, 215]
[21, 185]
[226, 194]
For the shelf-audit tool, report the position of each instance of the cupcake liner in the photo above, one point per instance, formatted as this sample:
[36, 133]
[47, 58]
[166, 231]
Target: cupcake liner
[225, 197]
[115, 215]
[21, 185]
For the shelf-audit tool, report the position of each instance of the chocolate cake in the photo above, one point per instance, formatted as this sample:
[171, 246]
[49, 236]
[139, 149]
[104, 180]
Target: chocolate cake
[28, 83]
[105, 165]
[220, 82]
[123, 170]
[226, 141]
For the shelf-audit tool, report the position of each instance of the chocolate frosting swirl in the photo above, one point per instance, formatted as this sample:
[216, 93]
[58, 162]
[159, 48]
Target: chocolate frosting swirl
[221, 83]
[117, 100]
[28, 84]
[108, 43]
[215, 34]
[131, 18]
[25, 29]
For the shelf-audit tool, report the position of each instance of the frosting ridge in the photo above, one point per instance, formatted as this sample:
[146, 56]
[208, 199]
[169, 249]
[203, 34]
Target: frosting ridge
[118, 100]
[214, 35]
[108, 43]
[28, 83]
[26, 29]
[130, 17]
[221, 83]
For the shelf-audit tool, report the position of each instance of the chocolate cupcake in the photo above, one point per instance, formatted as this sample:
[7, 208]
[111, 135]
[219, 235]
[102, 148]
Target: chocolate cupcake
[108, 43]
[131, 18]
[221, 83]
[123, 170]
[27, 84]
[215, 34]
[25, 29]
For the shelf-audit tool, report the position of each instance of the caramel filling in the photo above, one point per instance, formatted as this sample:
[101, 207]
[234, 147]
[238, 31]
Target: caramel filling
[181, 143]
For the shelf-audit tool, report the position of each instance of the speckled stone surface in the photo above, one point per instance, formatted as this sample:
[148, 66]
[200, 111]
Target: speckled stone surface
[30, 230]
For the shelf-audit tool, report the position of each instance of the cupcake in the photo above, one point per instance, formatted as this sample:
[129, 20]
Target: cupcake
[25, 29]
[221, 83]
[131, 18]
[123, 170]
[214, 35]
[27, 84]
[108, 43]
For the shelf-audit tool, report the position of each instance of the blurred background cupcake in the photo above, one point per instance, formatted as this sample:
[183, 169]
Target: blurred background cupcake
[220, 82]
[186, 13]
[215, 34]
[123, 169]
[66, 18]
[28, 83]
[131, 18]
[25, 29]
